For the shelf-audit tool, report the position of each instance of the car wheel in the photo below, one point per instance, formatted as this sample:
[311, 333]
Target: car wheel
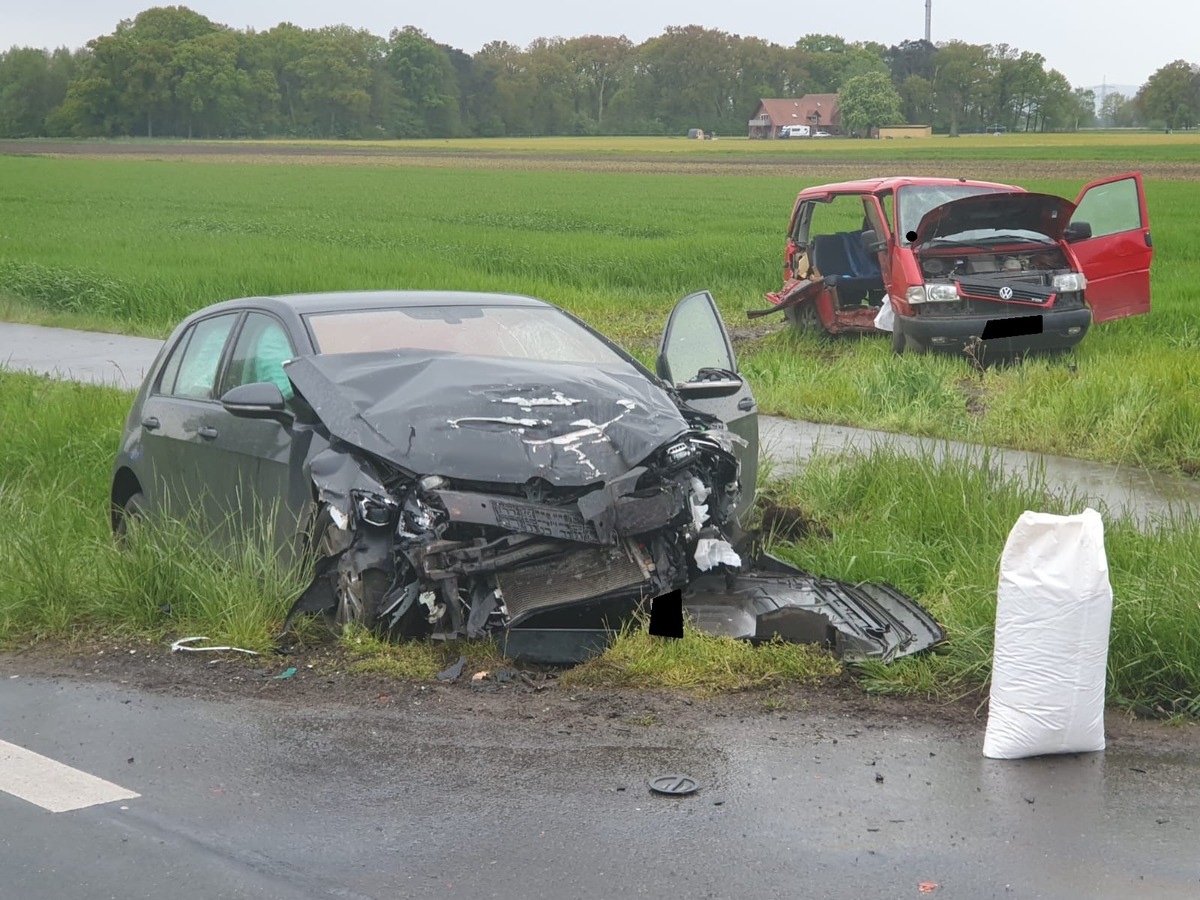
[357, 599]
[898, 341]
[133, 509]
[804, 316]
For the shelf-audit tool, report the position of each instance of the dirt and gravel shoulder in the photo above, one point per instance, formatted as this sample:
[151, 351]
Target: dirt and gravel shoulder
[322, 679]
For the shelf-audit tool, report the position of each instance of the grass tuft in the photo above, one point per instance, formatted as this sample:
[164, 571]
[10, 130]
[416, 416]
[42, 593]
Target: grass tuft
[700, 662]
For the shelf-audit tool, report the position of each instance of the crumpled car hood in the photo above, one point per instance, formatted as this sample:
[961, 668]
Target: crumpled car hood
[488, 418]
[1044, 213]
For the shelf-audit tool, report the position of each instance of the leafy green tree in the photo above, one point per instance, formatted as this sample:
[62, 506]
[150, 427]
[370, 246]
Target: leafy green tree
[831, 61]
[280, 52]
[427, 102]
[691, 79]
[33, 83]
[504, 90]
[868, 101]
[916, 100]
[210, 86]
[960, 76]
[554, 82]
[1172, 95]
[602, 66]
[337, 73]
[1119, 111]
[910, 59]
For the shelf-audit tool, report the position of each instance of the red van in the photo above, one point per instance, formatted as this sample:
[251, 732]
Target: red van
[950, 263]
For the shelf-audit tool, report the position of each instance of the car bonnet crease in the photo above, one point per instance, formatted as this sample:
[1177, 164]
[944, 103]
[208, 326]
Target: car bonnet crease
[490, 419]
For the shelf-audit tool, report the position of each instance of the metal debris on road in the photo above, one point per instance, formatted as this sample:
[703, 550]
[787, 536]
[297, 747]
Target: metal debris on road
[674, 785]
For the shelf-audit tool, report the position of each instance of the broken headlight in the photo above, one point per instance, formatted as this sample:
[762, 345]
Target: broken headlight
[677, 453]
[373, 509]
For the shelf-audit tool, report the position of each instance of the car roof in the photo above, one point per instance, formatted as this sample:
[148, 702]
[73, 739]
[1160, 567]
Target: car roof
[332, 301]
[891, 182]
[335, 300]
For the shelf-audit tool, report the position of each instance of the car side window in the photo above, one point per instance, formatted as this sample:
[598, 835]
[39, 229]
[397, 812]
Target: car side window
[197, 368]
[166, 378]
[872, 213]
[259, 353]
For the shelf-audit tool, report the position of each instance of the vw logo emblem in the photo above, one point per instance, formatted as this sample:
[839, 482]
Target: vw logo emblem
[1006, 293]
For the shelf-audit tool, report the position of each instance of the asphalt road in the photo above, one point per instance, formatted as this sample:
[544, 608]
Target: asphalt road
[439, 792]
[432, 795]
[122, 361]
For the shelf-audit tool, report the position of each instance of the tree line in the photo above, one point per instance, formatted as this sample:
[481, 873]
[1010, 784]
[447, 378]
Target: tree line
[173, 72]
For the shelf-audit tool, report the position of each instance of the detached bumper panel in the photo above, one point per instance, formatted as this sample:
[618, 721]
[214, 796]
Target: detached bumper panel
[857, 622]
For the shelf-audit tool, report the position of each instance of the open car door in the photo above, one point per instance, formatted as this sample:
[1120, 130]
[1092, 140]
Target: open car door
[1115, 258]
[696, 357]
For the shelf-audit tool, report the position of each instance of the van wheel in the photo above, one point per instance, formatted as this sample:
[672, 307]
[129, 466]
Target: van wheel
[898, 341]
[804, 316]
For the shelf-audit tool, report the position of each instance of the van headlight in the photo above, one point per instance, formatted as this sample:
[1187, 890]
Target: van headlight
[932, 293]
[1071, 281]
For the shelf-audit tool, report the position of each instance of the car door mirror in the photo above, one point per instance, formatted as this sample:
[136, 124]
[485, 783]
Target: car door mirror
[710, 383]
[259, 400]
[1077, 231]
[871, 242]
[695, 341]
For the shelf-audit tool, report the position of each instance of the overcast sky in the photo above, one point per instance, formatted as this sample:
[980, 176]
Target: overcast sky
[1089, 41]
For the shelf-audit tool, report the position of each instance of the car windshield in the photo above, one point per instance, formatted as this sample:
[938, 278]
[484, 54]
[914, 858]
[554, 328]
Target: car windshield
[516, 332]
[915, 200]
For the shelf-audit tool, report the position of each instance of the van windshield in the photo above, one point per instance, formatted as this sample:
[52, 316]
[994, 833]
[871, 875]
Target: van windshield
[913, 201]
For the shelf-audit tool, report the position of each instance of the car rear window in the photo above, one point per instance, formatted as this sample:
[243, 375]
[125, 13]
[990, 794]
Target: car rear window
[505, 331]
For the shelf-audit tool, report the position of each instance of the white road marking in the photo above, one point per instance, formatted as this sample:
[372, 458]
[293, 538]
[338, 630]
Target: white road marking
[52, 785]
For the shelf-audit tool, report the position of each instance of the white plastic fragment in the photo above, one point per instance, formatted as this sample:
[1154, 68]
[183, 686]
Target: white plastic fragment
[340, 519]
[713, 551]
[1053, 612]
[696, 502]
[182, 644]
[885, 319]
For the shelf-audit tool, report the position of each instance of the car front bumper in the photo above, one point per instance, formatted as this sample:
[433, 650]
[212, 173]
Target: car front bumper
[1060, 329]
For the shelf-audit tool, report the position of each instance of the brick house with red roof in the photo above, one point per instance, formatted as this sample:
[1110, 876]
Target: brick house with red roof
[818, 111]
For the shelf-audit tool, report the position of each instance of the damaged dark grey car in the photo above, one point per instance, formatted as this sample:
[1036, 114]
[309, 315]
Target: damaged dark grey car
[482, 464]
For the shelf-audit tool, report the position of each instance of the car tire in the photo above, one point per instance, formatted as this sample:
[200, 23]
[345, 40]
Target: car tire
[356, 604]
[898, 341]
[804, 316]
[133, 509]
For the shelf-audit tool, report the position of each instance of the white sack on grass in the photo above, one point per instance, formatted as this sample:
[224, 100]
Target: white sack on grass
[1053, 610]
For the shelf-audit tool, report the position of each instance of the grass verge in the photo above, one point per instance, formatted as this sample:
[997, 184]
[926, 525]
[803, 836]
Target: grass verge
[700, 662]
[936, 529]
[933, 529]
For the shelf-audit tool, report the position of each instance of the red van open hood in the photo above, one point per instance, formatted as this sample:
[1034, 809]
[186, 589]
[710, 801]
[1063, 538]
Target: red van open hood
[1043, 213]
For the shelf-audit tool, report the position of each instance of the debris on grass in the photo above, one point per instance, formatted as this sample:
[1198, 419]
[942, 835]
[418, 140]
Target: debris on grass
[183, 644]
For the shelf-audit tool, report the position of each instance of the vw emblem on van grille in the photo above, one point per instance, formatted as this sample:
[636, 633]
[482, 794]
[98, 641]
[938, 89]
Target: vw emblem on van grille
[1006, 293]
